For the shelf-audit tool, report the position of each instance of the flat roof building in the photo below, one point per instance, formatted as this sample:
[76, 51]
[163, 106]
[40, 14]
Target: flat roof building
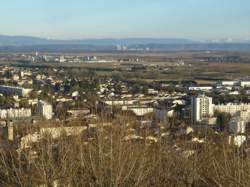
[202, 108]
[23, 92]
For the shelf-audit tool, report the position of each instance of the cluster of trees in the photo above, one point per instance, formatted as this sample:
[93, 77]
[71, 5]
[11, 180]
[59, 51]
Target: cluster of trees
[108, 160]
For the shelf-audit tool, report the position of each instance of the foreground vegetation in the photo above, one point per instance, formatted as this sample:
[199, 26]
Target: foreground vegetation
[106, 159]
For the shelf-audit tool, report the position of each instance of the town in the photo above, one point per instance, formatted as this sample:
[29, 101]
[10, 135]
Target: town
[76, 99]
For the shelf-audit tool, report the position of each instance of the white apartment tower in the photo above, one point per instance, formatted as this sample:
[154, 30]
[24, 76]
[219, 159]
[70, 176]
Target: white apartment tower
[202, 108]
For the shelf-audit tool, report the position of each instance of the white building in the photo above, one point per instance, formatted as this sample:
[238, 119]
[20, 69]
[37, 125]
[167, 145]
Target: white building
[200, 88]
[45, 109]
[202, 108]
[228, 83]
[62, 59]
[141, 111]
[237, 125]
[237, 140]
[245, 83]
[15, 113]
[119, 102]
[232, 108]
[15, 90]
[152, 91]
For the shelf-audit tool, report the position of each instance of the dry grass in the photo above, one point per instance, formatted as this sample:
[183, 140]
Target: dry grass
[108, 160]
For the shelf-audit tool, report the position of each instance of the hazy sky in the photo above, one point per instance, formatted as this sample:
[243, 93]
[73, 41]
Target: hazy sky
[68, 19]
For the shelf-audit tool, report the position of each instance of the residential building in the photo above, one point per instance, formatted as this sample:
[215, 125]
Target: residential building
[62, 59]
[237, 140]
[232, 108]
[15, 90]
[200, 88]
[15, 113]
[244, 114]
[45, 109]
[245, 83]
[202, 108]
[237, 125]
[118, 102]
[228, 83]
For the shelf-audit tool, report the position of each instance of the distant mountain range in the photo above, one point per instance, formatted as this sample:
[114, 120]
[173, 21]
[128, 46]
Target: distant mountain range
[27, 43]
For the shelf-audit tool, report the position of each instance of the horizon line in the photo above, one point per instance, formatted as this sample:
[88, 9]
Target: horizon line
[131, 37]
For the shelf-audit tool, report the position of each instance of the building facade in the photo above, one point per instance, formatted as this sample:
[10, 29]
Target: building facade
[15, 113]
[245, 83]
[237, 125]
[202, 108]
[45, 109]
[232, 108]
[15, 90]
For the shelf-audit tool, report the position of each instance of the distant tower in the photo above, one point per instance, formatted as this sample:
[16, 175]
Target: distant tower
[37, 54]
[202, 108]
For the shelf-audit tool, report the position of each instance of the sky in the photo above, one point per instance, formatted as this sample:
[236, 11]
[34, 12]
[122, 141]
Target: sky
[80, 19]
